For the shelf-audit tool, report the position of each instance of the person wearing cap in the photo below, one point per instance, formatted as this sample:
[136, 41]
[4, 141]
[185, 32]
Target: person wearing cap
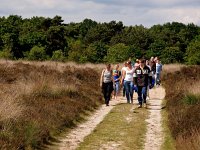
[142, 76]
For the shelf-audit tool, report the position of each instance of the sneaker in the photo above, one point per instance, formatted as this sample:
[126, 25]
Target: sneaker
[140, 106]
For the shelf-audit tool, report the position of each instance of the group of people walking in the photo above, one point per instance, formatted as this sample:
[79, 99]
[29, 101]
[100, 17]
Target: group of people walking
[138, 76]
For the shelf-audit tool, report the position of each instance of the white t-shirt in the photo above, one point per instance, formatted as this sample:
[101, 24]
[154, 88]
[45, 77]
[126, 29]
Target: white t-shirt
[129, 74]
[123, 69]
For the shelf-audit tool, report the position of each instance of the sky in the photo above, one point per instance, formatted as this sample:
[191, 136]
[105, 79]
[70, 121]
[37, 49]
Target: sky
[130, 12]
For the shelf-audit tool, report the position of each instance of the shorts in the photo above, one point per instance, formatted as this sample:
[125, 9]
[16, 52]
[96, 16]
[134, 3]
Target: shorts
[116, 87]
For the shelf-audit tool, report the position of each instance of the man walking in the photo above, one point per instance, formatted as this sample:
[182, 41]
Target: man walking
[142, 76]
[158, 71]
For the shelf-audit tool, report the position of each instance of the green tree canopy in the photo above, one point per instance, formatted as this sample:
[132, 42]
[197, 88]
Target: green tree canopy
[172, 55]
[193, 52]
[118, 53]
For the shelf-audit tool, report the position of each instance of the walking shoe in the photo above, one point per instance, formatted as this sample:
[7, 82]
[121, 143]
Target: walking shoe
[140, 106]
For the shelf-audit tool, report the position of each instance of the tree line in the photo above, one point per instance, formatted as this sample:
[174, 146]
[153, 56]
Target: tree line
[40, 38]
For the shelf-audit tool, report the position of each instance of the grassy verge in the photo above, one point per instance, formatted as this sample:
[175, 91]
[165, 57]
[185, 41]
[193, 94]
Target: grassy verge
[169, 142]
[122, 128]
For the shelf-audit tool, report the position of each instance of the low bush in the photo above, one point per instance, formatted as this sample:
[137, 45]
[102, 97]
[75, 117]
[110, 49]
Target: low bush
[39, 101]
[183, 105]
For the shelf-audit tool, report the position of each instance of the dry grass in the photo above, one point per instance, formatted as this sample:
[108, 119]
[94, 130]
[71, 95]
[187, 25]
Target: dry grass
[194, 88]
[10, 108]
[170, 68]
[193, 142]
[183, 105]
[39, 99]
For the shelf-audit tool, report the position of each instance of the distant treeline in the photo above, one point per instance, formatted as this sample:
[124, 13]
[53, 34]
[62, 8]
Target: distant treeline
[40, 38]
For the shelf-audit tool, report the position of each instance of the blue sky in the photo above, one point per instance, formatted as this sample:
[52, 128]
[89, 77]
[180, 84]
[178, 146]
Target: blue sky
[130, 12]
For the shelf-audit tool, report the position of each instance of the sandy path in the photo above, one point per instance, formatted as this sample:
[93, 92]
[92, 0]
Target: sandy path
[154, 135]
[77, 135]
[153, 139]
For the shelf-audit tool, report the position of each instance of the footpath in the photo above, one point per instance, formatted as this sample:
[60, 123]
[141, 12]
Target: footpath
[152, 138]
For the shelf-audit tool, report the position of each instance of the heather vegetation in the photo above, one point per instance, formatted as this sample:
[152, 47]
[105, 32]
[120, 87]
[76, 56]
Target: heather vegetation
[40, 38]
[39, 100]
[183, 102]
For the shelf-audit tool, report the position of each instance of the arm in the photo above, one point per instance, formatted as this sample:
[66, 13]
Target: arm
[135, 78]
[101, 78]
[150, 77]
[112, 79]
[123, 76]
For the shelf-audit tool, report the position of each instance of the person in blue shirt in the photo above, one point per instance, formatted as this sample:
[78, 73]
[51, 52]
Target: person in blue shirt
[116, 79]
[158, 71]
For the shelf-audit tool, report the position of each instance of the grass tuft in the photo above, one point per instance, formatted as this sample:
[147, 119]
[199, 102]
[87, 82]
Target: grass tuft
[191, 99]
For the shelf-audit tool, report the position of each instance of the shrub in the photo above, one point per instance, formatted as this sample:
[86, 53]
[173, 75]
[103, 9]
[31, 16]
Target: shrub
[183, 105]
[38, 101]
[37, 53]
[6, 54]
[58, 56]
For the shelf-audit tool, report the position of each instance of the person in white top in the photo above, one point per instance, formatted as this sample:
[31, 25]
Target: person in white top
[127, 80]
[122, 70]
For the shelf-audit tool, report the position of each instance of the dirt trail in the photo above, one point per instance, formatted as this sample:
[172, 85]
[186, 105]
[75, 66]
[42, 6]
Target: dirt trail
[76, 136]
[154, 134]
[154, 128]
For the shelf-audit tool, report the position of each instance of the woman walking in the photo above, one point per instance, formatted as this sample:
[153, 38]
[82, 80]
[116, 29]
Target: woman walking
[106, 83]
[116, 78]
[122, 81]
[127, 78]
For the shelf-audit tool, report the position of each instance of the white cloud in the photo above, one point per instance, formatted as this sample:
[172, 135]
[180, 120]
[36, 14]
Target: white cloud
[130, 12]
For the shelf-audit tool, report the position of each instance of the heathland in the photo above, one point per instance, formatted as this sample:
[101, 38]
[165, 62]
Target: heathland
[39, 100]
[182, 85]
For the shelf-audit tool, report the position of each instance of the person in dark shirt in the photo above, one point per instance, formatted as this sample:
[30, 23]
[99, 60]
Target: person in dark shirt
[142, 76]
